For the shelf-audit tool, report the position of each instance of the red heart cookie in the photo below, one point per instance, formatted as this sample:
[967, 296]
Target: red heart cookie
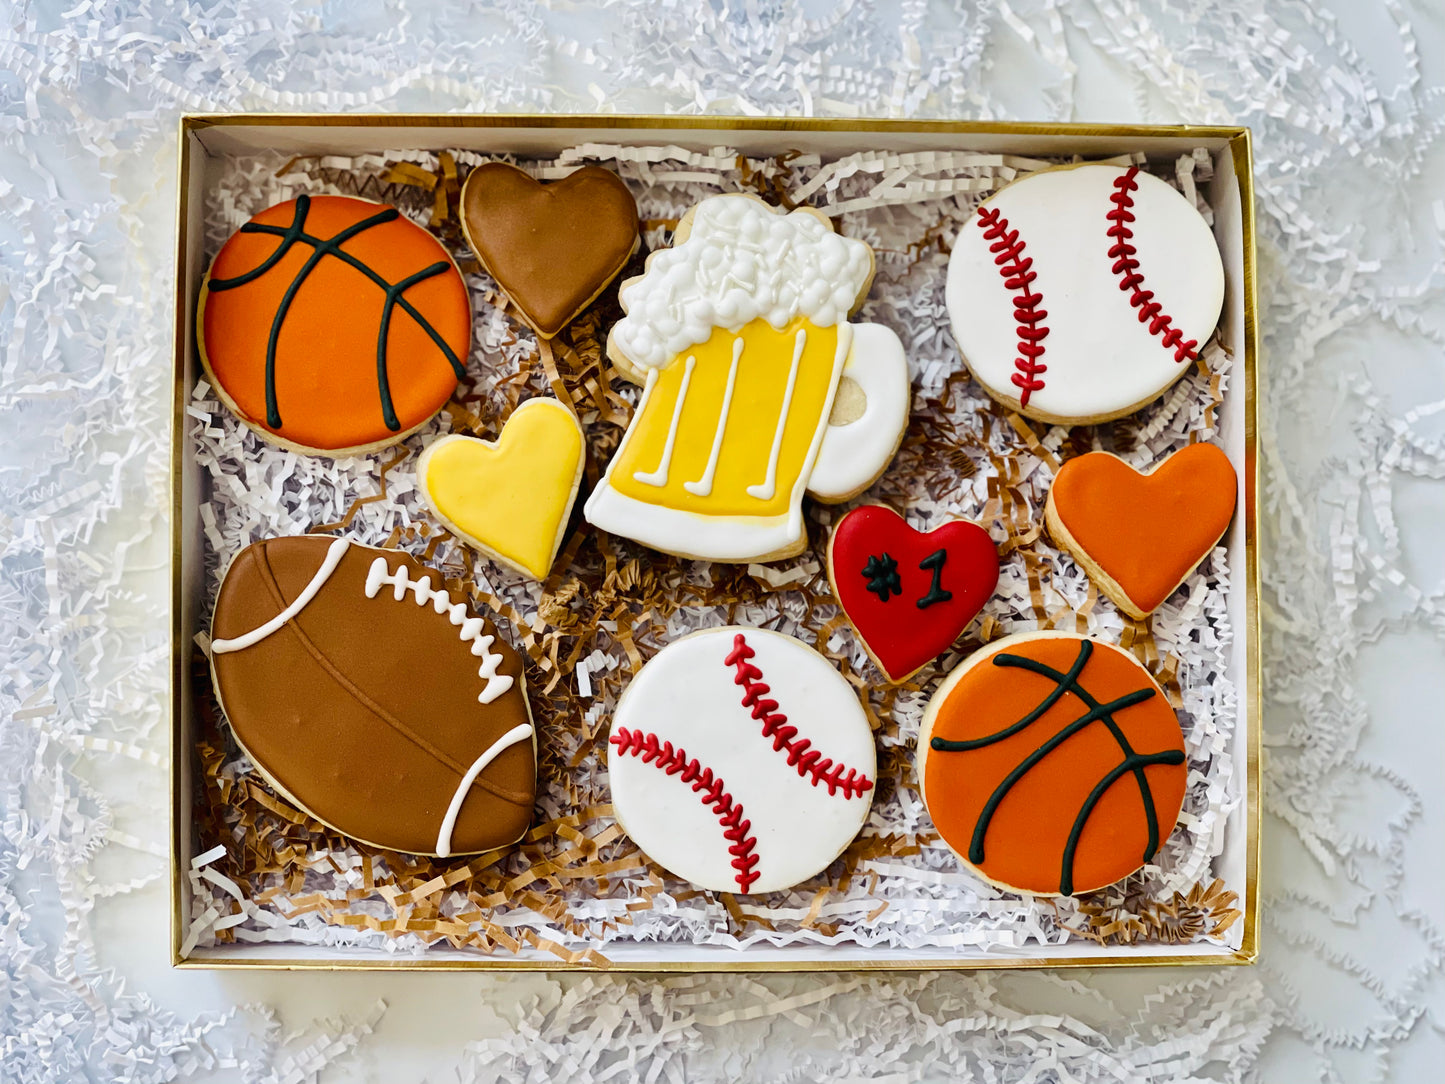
[1139, 535]
[551, 247]
[909, 593]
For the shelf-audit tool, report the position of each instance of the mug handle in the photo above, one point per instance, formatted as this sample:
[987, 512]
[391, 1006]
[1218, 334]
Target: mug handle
[852, 455]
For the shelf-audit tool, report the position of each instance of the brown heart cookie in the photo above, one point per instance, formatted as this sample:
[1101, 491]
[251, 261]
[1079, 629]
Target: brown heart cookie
[551, 247]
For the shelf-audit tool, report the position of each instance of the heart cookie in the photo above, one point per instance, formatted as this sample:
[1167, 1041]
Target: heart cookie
[510, 497]
[1139, 535]
[909, 593]
[551, 247]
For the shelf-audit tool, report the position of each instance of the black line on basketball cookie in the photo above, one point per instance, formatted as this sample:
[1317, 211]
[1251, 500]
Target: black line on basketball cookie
[1133, 762]
[295, 232]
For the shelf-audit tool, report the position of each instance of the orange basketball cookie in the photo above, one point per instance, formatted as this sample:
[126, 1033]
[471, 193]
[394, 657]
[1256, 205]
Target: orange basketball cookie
[333, 325]
[1052, 764]
[1139, 535]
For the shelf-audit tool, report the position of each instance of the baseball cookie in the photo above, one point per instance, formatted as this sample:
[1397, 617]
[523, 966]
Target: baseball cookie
[1079, 294]
[1139, 535]
[1052, 763]
[739, 334]
[333, 326]
[371, 700]
[551, 247]
[510, 497]
[740, 760]
[909, 594]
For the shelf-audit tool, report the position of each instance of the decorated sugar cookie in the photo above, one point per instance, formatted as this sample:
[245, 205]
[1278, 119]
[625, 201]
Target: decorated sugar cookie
[1052, 764]
[510, 497]
[739, 334]
[551, 247]
[741, 760]
[371, 699]
[909, 593]
[333, 325]
[1081, 293]
[1138, 536]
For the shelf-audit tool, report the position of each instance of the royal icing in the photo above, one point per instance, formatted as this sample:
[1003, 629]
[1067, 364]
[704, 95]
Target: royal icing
[741, 261]
[333, 324]
[1052, 763]
[741, 760]
[1139, 535]
[1083, 292]
[735, 424]
[469, 628]
[372, 701]
[511, 497]
[908, 593]
[551, 247]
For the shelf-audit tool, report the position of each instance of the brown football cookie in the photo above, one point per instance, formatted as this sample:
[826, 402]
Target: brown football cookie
[371, 700]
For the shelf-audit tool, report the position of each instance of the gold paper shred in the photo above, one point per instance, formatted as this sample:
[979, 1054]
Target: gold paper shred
[1031, 441]
[409, 174]
[815, 908]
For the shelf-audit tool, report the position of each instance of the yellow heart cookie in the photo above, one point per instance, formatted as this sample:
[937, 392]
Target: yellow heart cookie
[509, 497]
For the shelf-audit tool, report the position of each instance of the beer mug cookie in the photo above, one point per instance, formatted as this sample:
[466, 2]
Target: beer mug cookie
[1079, 294]
[756, 388]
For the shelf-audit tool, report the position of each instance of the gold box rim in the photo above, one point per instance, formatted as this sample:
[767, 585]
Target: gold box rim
[1238, 140]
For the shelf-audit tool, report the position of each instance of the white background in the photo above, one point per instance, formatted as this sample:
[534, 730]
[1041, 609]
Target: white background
[1346, 105]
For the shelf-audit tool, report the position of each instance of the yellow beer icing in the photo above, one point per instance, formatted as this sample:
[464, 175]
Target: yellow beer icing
[513, 494]
[749, 431]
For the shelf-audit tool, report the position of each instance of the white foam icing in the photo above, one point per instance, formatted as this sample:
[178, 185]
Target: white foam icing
[742, 261]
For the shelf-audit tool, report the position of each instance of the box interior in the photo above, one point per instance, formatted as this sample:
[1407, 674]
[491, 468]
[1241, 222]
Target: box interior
[205, 140]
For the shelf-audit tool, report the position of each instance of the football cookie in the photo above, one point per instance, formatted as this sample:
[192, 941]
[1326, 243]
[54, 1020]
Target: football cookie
[1138, 536]
[740, 760]
[511, 497]
[739, 334]
[1080, 293]
[1052, 763]
[333, 326]
[909, 594]
[551, 247]
[372, 701]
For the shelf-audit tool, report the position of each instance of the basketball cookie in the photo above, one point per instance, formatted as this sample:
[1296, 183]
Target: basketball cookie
[909, 594]
[551, 247]
[740, 760]
[511, 497]
[1080, 293]
[333, 326]
[370, 700]
[1138, 536]
[1052, 764]
[756, 388]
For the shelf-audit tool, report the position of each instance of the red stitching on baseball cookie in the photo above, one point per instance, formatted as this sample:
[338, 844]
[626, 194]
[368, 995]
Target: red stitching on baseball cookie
[807, 760]
[675, 761]
[1018, 275]
[1127, 268]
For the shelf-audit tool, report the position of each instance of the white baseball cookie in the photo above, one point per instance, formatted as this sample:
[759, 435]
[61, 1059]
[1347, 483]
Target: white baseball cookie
[1079, 294]
[741, 760]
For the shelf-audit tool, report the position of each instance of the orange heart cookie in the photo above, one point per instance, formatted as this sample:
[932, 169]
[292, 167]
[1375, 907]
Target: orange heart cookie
[510, 497]
[1139, 535]
[551, 247]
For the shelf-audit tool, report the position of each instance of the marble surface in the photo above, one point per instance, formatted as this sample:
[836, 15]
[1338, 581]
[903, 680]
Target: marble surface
[1345, 101]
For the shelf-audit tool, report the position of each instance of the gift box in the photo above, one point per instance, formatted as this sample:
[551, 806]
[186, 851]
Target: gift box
[369, 911]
